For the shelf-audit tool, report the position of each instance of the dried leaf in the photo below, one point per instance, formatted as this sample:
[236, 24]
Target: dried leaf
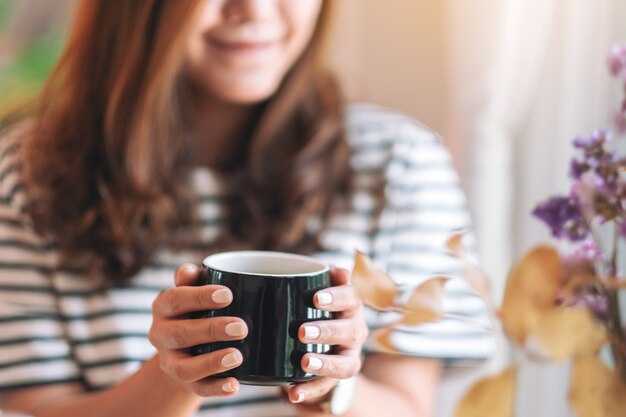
[382, 338]
[475, 277]
[615, 283]
[567, 332]
[578, 276]
[595, 390]
[376, 288]
[531, 290]
[455, 244]
[492, 396]
[426, 302]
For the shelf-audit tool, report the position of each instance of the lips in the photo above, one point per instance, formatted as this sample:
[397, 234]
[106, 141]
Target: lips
[240, 46]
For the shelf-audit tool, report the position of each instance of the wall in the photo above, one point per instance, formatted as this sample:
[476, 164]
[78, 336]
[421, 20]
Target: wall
[391, 53]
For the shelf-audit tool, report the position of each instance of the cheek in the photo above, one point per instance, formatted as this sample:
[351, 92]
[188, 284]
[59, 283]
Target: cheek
[300, 17]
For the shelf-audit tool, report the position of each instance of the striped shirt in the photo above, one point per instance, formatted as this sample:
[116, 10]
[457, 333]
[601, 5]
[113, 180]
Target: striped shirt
[55, 326]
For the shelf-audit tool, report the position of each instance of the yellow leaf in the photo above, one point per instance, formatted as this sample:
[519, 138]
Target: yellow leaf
[455, 244]
[490, 397]
[475, 277]
[382, 338]
[566, 332]
[615, 283]
[578, 276]
[595, 390]
[426, 302]
[375, 287]
[531, 290]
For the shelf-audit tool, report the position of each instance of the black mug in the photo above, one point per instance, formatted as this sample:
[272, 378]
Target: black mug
[273, 293]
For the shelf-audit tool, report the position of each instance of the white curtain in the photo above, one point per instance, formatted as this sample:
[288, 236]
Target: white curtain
[525, 78]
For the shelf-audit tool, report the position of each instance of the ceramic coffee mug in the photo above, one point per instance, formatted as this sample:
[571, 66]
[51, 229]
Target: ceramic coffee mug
[273, 293]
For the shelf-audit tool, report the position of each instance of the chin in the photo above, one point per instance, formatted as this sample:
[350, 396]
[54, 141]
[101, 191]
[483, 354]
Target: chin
[246, 95]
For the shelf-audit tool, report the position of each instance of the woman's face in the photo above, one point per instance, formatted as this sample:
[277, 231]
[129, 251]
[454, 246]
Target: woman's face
[240, 50]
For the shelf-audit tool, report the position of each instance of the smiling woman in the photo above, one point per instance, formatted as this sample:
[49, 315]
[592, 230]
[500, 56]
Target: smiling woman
[173, 130]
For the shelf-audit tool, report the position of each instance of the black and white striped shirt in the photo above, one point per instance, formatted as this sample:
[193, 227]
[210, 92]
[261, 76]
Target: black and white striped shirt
[56, 327]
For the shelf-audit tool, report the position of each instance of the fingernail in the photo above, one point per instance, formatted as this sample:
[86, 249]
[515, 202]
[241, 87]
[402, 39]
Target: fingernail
[235, 329]
[228, 387]
[311, 332]
[324, 298]
[300, 397]
[221, 296]
[314, 364]
[231, 359]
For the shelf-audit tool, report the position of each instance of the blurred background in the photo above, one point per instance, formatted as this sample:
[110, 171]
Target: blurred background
[508, 84]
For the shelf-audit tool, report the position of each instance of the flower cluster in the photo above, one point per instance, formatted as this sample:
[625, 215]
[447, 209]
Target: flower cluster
[598, 191]
[591, 279]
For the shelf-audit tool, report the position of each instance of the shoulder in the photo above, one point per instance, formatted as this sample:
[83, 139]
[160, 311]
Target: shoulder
[370, 124]
[381, 138]
[396, 149]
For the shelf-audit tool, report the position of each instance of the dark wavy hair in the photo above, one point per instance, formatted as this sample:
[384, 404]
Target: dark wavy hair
[107, 174]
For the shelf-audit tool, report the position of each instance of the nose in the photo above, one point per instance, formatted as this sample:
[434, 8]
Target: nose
[243, 11]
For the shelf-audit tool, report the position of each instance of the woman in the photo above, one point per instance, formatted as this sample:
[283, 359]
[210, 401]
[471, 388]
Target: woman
[173, 129]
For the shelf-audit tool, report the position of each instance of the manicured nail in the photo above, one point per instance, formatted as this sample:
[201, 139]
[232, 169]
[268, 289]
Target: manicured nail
[311, 332]
[315, 364]
[300, 397]
[221, 296]
[228, 387]
[235, 329]
[231, 359]
[324, 298]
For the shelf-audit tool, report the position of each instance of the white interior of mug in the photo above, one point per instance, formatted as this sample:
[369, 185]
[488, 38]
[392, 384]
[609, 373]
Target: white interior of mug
[265, 263]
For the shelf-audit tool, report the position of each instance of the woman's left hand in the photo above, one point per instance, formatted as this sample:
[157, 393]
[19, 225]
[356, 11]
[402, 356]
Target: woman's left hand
[346, 332]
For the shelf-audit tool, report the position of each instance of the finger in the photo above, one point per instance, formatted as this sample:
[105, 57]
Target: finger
[331, 366]
[175, 302]
[342, 298]
[311, 391]
[186, 274]
[189, 369]
[214, 387]
[344, 332]
[339, 276]
[179, 334]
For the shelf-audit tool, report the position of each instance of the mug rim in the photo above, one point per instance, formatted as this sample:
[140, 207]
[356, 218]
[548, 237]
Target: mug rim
[323, 267]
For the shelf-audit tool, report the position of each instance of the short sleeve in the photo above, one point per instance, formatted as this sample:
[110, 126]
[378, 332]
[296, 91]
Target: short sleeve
[425, 206]
[33, 349]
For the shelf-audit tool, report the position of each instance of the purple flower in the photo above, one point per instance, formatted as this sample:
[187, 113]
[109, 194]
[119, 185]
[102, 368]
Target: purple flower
[588, 251]
[585, 190]
[596, 304]
[577, 168]
[564, 217]
[592, 142]
[617, 61]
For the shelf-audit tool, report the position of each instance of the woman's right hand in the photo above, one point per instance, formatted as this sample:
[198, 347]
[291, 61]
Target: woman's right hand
[173, 332]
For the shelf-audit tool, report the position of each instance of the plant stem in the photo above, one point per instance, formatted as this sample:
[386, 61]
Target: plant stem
[618, 344]
[615, 327]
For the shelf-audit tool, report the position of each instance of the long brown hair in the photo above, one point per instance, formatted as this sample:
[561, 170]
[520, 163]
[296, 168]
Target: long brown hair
[106, 173]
